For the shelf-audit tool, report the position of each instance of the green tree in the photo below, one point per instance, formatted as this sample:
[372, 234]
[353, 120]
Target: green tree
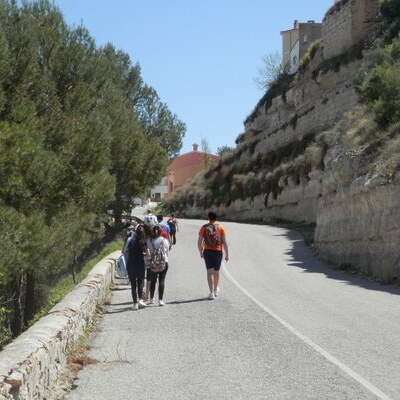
[159, 122]
[80, 132]
[379, 88]
[224, 150]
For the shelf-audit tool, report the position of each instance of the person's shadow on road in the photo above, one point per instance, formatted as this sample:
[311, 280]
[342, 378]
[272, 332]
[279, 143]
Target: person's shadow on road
[188, 301]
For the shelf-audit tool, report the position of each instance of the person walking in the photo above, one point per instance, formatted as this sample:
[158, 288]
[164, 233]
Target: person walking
[150, 218]
[165, 230]
[153, 244]
[172, 222]
[148, 231]
[212, 244]
[137, 249]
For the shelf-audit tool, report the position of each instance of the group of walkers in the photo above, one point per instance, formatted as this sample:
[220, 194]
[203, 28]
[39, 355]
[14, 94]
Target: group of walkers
[146, 251]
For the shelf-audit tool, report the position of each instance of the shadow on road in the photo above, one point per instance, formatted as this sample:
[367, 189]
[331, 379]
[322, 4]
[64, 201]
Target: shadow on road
[119, 288]
[118, 310]
[188, 301]
[121, 304]
[303, 257]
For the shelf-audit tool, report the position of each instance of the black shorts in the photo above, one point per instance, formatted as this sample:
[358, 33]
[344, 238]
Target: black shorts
[213, 259]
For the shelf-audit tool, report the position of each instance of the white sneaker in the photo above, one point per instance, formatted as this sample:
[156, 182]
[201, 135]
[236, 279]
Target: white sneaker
[151, 301]
[141, 304]
[135, 306]
[211, 296]
[216, 292]
[161, 303]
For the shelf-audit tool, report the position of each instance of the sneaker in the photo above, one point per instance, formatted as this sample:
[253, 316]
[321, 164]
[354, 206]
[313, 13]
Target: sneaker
[151, 301]
[216, 292]
[135, 306]
[211, 296]
[141, 304]
[161, 303]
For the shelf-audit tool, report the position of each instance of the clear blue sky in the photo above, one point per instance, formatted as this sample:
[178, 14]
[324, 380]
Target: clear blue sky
[201, 56]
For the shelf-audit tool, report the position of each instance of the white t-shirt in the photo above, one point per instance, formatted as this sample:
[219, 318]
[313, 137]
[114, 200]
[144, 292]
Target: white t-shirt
[150, 219]
[153, 244]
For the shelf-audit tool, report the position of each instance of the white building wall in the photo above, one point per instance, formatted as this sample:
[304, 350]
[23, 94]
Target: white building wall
[159, 191]
[295, 58]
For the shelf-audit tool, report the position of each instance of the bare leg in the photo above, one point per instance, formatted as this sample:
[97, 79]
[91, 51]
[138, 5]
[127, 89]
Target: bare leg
[216, 279]
[210, 279]
[147, 291]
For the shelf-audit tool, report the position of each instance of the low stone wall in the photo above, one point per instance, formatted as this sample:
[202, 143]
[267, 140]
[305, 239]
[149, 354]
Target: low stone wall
[34, 360]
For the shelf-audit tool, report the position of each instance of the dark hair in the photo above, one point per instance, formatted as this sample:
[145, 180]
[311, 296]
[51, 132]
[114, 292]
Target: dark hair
[156, 231]
[141, 237]
[148, 232]
[212, 216]
[173, 215]
[159, 218]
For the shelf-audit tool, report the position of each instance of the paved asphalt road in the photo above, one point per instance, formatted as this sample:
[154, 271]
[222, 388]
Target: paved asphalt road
[285, 326]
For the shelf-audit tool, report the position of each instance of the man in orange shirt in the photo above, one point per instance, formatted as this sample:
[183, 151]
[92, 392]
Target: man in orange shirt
[212, 239]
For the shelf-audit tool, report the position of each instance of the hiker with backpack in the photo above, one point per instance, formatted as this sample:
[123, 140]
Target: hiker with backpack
[212, 244]
[121, 270]
[172, 222]
[150, 218]
[159, 248]
[165, 230]
[137, 250]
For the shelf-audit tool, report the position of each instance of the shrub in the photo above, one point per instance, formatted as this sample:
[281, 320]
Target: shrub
[390, 10]
[380, 88]
[309, 55]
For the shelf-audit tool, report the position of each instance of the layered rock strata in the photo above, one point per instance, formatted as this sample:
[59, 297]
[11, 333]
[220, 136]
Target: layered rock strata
[356, 214]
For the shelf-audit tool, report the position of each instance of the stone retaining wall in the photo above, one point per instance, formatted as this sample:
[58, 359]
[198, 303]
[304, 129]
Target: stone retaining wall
[358, 218]
[347, 23]
[34, 360]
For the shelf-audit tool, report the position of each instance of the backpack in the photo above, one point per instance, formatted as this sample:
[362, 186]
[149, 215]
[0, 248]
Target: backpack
[149, 219]
[157, 262]
[164, 232]
[121, 271]
[172, 224]
[212, 237]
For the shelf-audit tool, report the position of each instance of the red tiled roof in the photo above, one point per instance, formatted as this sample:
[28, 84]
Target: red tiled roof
[192, 158]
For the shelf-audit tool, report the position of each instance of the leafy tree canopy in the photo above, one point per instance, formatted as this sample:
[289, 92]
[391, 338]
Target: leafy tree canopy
[80, 133]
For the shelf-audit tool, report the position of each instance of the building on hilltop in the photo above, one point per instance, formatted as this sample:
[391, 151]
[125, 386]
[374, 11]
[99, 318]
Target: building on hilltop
[296, 41]
[181, 169]
[185, 167]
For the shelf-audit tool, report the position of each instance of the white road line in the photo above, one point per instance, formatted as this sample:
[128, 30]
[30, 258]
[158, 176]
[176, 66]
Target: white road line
[319, 349]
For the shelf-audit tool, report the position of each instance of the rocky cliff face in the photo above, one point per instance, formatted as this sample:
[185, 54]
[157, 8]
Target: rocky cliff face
[358, 217]
[281, 129]
[290, 164]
